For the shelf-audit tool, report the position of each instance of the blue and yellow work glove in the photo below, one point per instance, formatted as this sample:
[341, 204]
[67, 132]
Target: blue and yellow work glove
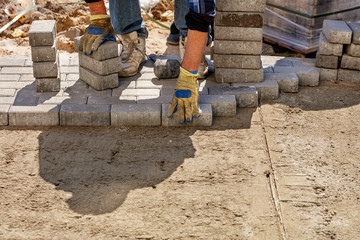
[99, 31]
[186, 97]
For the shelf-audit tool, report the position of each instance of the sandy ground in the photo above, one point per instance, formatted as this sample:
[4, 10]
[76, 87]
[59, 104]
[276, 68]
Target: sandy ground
[288, 170]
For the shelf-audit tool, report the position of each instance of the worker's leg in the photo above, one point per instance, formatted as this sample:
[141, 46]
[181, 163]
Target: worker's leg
[130, 28]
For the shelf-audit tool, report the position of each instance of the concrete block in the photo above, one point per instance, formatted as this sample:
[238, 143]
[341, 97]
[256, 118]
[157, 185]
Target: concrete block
[241, 6]
[7, 92]
[237, 61]
[48, 84]
[154, 100]
[233, 75]
[8, 78]
[205, 119]
[4, 115]
[222, 105]
[308, 76]
[62, 100]
[70, 70]
[355, 27]
[112, 100]
[238, 33]
[237, 47]
[353, 50]
[99, 82]
[136, 115]
[327, 74]
[16, 70]
[331, 49]
[337, 32]
[327, 61]
[85, 115]
[46, 69]
[44, 53]
[105, 67]
[170, 91]
[42, 33]
[167, 68]
[288, 82]
[348, 75]
[269, 89]
[107, 50]
[12, 60]
[246, 96]
[155, 84]
[40, 115]
[139, 92]
[239, 19]
[350, 62]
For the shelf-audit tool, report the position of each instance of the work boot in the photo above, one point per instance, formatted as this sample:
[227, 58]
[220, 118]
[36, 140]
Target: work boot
[174, 36]
[203, 71]
[132, 55]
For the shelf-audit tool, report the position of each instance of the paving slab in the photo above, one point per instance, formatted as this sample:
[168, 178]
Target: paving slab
[99, 82]
[69, 70]
[239, 19]
[40, 115]
[246, 96]
[105, 67]
[222, 105]
[42, 33]
[167, 68]
[136, 115]
[106, 50]
[308, 76]
[4, 114]
[241, 6]
[337, 32]
[12, 61]
[155, 84]
[268, 89]
[237, 61]
[16, 70]
[154, 99]
[138, 92]
[205, 119]
[353, 50]
[8, 78]
[7, 92]
[235, 75]
[94, 100]
[48, 84]
[346, 75]
[331, 49]
[237, 47]
[46, 69]
[170, 91]
[325, 61]
[350, 62]
[327, 74]
[59, 100]
[355, 27]
[288, 82]
[85, 115]
[238, 33]
[44, 53]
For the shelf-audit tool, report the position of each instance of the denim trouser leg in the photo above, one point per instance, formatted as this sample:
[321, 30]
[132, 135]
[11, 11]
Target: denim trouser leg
[181, 10]
[126, 17]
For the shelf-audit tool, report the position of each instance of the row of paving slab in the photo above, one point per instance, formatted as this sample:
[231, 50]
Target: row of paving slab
[141, 100]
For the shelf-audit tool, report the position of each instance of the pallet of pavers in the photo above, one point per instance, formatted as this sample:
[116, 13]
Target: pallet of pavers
[338, 57]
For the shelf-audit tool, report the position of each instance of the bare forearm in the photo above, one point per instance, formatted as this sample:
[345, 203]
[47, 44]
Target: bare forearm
[195, 47]
[97, 8]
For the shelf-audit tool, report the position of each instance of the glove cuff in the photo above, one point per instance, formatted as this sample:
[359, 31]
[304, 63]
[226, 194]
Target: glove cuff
[99, 16]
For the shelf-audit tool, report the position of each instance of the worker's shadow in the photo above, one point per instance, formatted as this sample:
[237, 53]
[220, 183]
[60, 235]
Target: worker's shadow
[101, 166]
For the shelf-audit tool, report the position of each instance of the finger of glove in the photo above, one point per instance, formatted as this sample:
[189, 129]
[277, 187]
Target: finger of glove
[188, 111]
[195, 109]
[172, 107]
[81, 43]
[181, 111]
[89, 44]
[96, 43]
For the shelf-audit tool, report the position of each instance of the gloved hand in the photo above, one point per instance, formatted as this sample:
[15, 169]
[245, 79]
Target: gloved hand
[186, 97]
[99, 31]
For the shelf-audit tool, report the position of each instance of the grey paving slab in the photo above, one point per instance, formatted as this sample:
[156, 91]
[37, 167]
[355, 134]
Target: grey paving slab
[94, 100]
[79, 88]
[9, 77]
[268, 69]
[337, 32]
[17, 70]
[154, 100]
[237, 61]
[268, 89]
[327, 48]
[44, 53]
[170, 91]
[237, 47]
[353, 50]
[46, 69]
[140, 92]
[355, 27]
[241, 5]
[4, 114]
[7, 92]
[68, 70]
[308, 76]
[205, 119]
[48, 84]
[28, 63]
[72, 77]
[99, 82]
[239, 19]
[12, 61]
[350, 62]
[17, 85]
[27, 78]
[105, 67]
[167, 68]
[325, 61]
[234, 75]
[346, 75]
[42, 33]
[145, 76]
[85, 115]
[157, 84]
[34, 93]
[40, 115]
[19, 100]
[58, 100]
[328, 74]
[107, 50]
[222, 105]
[246, 97]
[238, 33]
[136, 115]
[122, 86]
[288, 82]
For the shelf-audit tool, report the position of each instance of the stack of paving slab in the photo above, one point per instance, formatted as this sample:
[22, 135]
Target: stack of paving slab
[45, 57]
[238, 47]
[100, 69]
[339, 48]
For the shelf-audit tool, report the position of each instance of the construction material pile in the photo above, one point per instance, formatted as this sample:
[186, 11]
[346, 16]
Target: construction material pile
[339, 47]
[297, 24]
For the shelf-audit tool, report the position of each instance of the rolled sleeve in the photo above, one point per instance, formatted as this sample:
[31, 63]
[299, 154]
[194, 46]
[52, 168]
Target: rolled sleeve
[201, 14]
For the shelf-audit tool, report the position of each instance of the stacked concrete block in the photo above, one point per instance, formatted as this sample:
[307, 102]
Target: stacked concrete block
[100, 69]
[45, 57]
[238, 41]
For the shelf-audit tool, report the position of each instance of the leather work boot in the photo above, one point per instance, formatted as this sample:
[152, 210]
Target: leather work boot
[132, 55]
[203, 68]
